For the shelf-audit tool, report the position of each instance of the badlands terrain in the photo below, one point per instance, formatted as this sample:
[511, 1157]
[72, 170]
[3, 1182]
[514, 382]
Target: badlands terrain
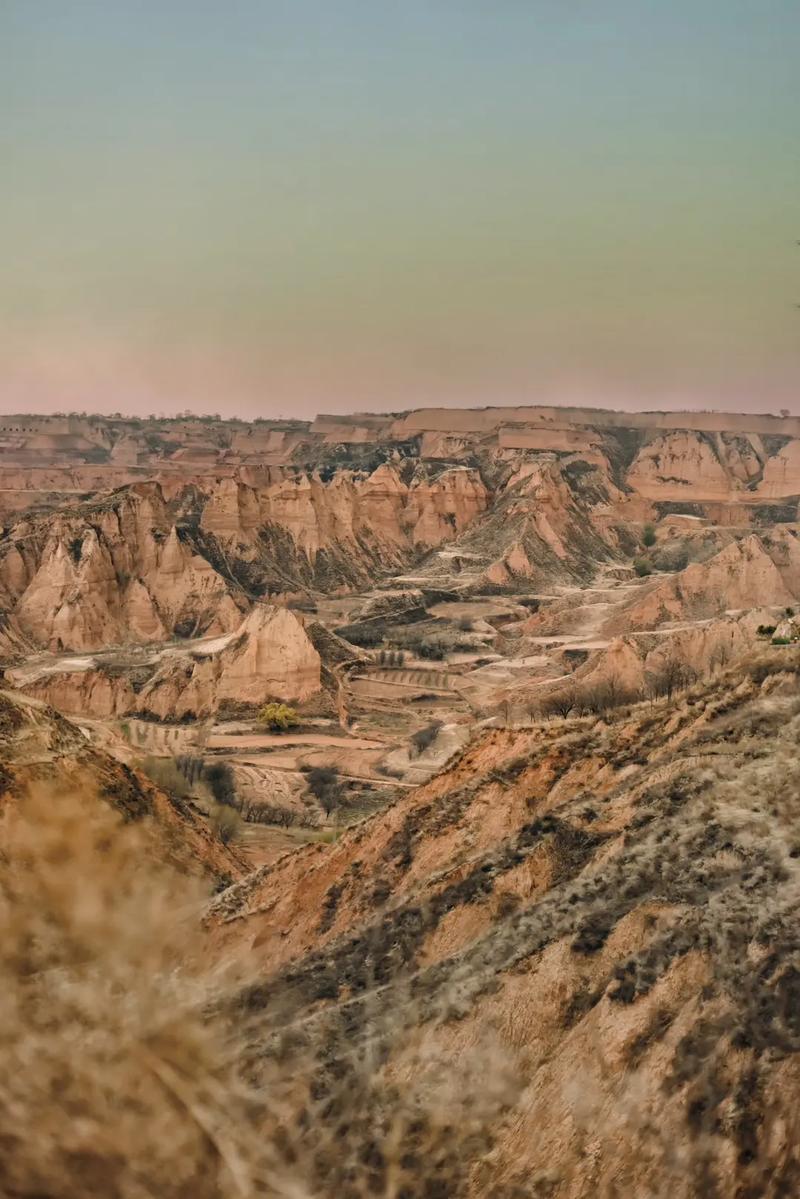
[398, 580]
[508, 905]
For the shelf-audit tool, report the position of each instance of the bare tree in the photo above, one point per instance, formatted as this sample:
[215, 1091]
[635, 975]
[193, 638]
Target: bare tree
[723, 652]
[606, 693]
[669, 676]
[558, 703]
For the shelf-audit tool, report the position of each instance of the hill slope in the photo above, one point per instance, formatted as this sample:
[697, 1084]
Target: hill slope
[41, 750]
[609, 907]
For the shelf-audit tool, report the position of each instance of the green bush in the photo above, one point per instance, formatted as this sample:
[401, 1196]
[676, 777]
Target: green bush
[648, 536]
[642, 567]
[278, 717]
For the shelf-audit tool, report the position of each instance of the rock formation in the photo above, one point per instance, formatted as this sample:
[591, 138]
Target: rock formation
[746, 574]
[268, 657]
[207, 518]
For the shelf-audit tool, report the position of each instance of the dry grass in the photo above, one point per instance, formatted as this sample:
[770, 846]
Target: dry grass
[113, 1082]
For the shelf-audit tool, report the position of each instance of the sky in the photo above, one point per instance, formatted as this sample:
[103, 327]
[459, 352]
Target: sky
[284, 207]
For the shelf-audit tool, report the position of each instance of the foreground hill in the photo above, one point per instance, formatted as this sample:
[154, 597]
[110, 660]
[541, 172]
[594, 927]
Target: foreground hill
[591, 923]
[41, 752]
[567, 965]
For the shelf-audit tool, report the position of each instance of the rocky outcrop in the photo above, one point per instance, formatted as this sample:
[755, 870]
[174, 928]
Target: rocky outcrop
[743, 575]
[549, 524]
[234, 514]
[782, 473]
[270, 657]
[679, 465]
[149, 562]
[369, 519]
[635, 667]
[112, 576]
[90, 691]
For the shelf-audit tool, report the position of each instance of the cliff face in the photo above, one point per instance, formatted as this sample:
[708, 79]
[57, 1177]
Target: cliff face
[110, 574]
[150, 562]
[350, 509]
[687, 464]
[226, 514]
[551, 522]
[752, 573]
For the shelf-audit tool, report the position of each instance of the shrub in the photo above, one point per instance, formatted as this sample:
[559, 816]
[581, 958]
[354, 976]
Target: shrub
[765, 630]
[648, 536]
[278, 717]
[324, 785]
[320, 777]
[221, 781]
[191, 768]
[670, 676]
[432, 649]
[425, 737]
[433, 645]
[225, 822]
[761, 665]
[366, 636]
[388, 772]
[166, 774]
[671, 558]
[558, 703]
[603, 695]
[642, 567]
[390, 657]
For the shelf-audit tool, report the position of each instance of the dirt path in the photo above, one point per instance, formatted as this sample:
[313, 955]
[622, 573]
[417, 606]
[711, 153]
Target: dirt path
[594, 614]
[270, 740]
[290, 768]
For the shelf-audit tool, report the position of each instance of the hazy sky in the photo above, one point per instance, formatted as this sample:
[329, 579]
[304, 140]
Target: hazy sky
[266, 207]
